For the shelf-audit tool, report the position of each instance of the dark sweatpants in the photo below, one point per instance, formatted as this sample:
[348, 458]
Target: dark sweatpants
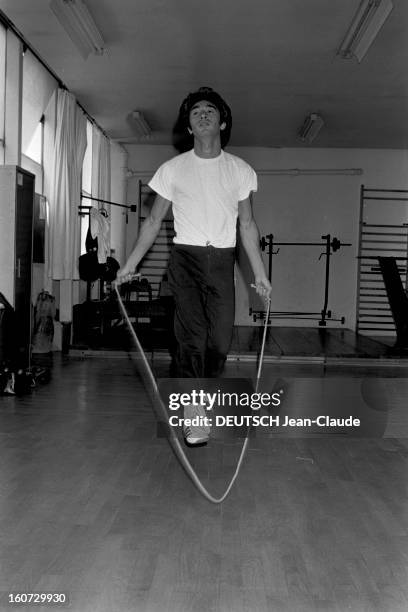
[202, 283]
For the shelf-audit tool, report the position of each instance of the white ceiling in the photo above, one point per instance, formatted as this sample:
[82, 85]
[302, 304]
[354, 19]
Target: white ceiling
[274, 61]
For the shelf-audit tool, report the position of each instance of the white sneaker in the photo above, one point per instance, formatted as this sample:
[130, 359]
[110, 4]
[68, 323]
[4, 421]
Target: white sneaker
[200, 433]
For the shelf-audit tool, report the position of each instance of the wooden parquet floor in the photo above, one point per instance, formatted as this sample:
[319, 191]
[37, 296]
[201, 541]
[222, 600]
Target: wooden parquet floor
[93, 504]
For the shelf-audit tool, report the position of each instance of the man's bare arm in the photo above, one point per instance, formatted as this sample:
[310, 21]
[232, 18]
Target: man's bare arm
[147, 235]
[250, 240]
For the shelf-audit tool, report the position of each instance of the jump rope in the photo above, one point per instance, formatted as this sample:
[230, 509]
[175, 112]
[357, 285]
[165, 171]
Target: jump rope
[157, 400]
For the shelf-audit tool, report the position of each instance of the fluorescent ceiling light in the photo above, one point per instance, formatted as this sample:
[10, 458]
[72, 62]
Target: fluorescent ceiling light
[367, 22]
[140, 123]
[311, 127]
[78, 23]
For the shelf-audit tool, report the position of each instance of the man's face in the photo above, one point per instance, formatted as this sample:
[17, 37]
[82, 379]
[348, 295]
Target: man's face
[205, 119]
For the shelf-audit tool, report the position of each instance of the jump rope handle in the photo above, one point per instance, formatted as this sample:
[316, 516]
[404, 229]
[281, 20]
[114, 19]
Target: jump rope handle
[266, 323]
[267, 299]
[132, 277]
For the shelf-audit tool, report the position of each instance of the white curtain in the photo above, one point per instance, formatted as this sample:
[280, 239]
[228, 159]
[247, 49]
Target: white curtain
[65, 189]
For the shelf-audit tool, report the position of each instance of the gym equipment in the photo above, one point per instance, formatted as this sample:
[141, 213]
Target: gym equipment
[397, 298]
[383, 232]
[331, 246]
[161, 412]
[84, 196]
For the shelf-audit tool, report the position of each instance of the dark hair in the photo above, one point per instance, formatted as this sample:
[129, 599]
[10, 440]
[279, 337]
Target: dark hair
[182, 139]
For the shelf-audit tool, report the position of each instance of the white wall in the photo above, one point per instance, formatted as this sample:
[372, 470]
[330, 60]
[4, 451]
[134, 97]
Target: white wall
[299, 208]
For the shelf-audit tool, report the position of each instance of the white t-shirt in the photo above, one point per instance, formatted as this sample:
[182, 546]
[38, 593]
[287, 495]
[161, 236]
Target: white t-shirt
[205, 195]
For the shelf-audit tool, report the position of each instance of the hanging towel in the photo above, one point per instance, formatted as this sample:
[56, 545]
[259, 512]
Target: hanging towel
[100, 229]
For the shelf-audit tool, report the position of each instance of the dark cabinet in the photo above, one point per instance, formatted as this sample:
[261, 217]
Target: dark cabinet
[16, 249]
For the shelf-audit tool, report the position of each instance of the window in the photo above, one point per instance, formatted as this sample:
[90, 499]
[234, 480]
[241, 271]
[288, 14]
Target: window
[87, 164]
[35, 148]
[38, 88]
[32, 159]
[86, 183]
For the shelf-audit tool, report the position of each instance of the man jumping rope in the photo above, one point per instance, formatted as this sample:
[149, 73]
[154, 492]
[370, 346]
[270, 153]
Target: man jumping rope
[208, 190]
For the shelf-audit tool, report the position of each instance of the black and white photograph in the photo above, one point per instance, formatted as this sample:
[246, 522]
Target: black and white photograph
[204, 306]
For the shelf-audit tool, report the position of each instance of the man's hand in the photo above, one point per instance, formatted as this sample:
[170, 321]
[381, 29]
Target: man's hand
[124, 276]
[263, 287]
